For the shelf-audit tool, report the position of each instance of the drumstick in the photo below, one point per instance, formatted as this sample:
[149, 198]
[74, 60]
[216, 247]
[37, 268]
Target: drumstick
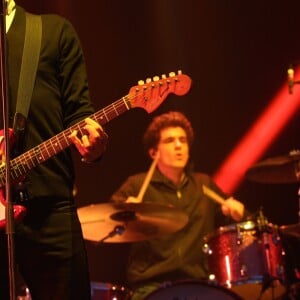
[213, 195]
[145, 184]
[237, 211]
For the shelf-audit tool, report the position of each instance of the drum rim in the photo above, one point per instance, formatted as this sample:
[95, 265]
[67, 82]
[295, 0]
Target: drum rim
[243, 226]
[205, 283]
[109, 286]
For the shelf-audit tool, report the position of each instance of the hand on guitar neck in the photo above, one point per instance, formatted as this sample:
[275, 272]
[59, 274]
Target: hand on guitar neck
[93, 143]
[146, 95]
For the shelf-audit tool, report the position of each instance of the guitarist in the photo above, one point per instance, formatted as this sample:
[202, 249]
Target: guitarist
[49, 247]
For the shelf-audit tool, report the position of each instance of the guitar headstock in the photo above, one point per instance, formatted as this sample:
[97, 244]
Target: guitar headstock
[151, 93]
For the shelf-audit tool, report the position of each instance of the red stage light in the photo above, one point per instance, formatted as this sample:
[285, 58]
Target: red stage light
[255, 142]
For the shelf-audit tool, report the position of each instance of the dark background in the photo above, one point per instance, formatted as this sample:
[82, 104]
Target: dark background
[236, 52]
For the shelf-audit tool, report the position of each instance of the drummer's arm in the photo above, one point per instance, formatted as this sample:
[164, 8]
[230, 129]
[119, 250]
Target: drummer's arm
[124, 193]
[230, 207]
[234, 209]
[132, 199]
[119, 196]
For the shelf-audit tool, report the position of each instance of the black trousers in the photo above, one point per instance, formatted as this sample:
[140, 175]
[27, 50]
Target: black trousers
[49, 252]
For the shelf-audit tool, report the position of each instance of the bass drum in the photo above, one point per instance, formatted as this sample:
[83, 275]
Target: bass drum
[191, 290]
[108, 291]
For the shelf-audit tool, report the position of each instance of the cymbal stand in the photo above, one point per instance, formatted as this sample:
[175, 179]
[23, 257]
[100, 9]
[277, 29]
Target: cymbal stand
[267, 277]
[291, 81]
[297, 172]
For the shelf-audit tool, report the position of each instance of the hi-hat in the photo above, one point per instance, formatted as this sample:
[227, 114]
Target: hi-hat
[280, 169]
[292, 230]
[129, 222]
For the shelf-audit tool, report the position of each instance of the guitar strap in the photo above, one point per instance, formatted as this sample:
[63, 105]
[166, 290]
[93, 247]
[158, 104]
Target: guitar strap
[30, 59]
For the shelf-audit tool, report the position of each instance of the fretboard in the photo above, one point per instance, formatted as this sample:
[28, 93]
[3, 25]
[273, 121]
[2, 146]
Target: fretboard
[20, 165]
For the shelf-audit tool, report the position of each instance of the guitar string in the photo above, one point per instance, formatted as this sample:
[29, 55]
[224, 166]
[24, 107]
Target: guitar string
[31, 156]
[43, 151]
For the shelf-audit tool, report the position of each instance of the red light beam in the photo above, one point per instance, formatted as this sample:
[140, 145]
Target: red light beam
[258, 138]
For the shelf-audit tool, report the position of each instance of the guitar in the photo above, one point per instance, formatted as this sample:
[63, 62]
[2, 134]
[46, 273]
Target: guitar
[147, 95]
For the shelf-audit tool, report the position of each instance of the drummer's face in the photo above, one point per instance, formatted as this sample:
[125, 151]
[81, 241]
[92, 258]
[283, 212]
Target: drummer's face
[173, 148]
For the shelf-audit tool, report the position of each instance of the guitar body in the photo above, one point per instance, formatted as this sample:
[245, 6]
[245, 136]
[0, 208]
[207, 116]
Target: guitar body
[146, 95]
[19, 210]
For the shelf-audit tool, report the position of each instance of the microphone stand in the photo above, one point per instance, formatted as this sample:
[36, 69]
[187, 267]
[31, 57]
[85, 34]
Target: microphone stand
[291, 81]
[9, 213]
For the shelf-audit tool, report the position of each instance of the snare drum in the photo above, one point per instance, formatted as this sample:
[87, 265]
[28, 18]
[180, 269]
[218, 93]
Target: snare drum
[108, 291]
[247, 259]
[192, 290]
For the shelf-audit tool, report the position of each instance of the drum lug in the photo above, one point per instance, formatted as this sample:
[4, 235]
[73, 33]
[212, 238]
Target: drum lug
[239, 238]
[280, 271]
[243, 270]
[276, 239]
[206, 249]
[212, 278]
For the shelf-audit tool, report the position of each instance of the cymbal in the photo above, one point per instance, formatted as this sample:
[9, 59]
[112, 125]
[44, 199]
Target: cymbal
[129, 222]
[280, 169]
[292, 230]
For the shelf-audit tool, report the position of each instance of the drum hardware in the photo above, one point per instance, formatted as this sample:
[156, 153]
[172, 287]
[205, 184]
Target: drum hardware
[299, 206]
[262, 221]
[293, 229]
[291, 236]
[267, 283]
[238, 236]
[109, 291]
[244, 258]
[25, 294]
[282, 169]
[243, 270]
[264, 230]
[118, 230]
[129, 222]
[276, 237]
[206, 249]
[291, 243]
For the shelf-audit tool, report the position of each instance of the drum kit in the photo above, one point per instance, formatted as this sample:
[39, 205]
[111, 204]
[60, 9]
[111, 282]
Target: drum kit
[251, 260]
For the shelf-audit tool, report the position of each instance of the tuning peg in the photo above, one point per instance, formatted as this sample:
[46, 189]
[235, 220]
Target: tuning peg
[148, 80]
[172, 74]
[155, 78]
[141, 82]
[163, 76]
[179, 72]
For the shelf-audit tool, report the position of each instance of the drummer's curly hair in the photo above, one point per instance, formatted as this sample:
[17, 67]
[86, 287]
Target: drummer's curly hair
[170, 119]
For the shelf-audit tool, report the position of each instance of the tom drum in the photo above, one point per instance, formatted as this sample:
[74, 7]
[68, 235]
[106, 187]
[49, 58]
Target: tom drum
[247, 259]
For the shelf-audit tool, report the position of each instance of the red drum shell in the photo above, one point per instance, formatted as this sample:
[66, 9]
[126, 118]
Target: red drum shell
[244, 257]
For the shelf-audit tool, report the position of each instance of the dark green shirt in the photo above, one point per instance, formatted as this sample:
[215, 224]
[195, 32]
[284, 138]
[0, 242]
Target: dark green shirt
[178, 255]
[60, 98]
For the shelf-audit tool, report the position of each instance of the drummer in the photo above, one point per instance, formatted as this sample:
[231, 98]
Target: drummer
[177, 256]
